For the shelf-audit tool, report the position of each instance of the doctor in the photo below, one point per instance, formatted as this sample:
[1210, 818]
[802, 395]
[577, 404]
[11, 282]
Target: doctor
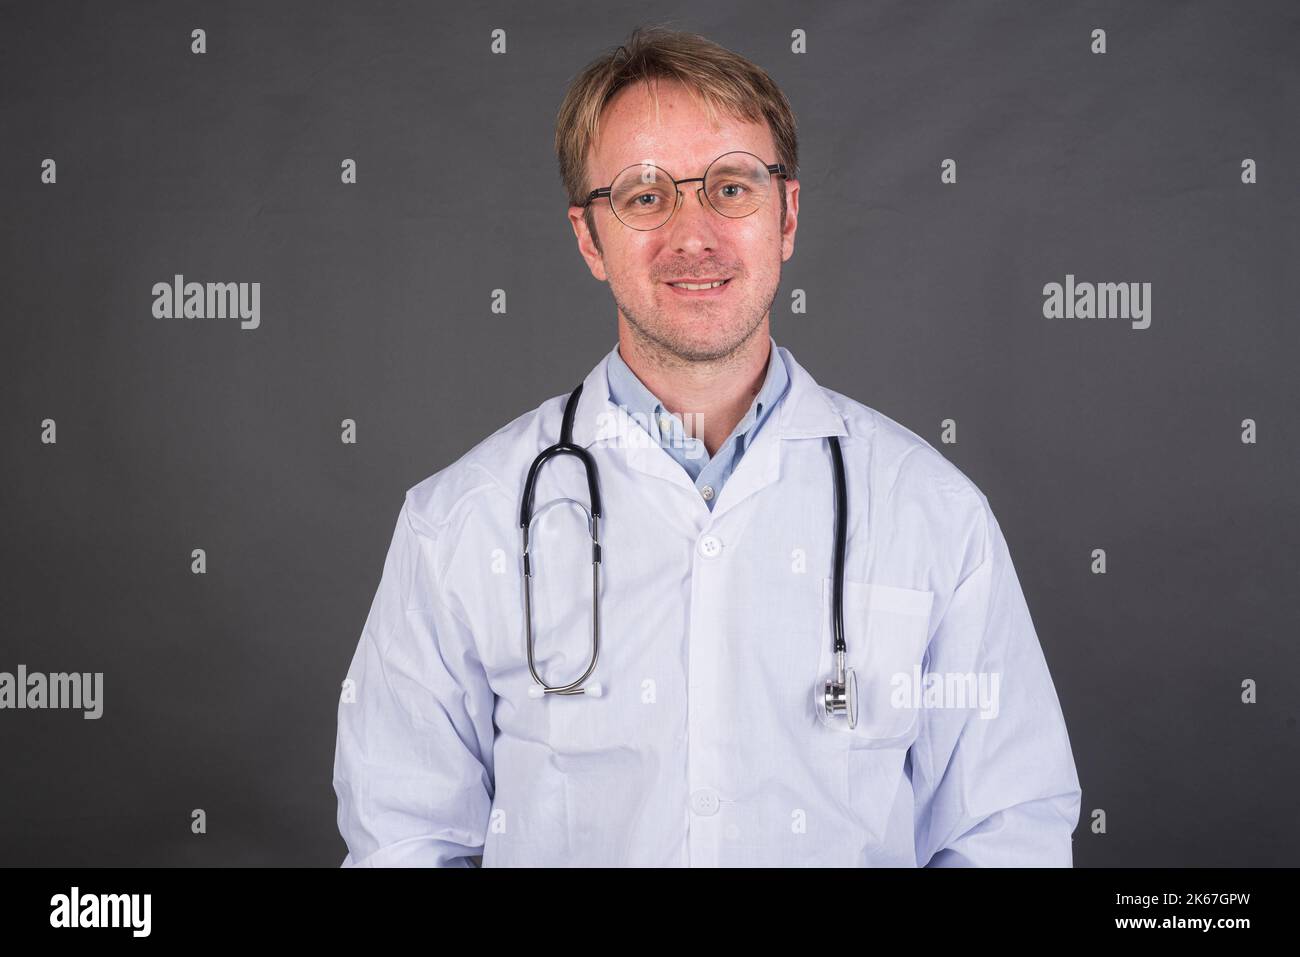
[701, 735]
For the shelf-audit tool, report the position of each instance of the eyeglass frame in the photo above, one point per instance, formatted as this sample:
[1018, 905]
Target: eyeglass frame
[773, 169]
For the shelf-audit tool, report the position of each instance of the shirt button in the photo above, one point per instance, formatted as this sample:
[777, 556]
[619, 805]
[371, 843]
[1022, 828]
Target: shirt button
[666, 424]
[704, 802]
[707, 492]
[710, 546]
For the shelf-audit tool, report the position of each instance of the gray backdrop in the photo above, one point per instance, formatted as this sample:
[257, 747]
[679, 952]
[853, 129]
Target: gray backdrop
[925, 301]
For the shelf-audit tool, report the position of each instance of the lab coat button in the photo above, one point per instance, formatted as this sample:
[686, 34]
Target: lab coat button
[704, 802]
[710, 546]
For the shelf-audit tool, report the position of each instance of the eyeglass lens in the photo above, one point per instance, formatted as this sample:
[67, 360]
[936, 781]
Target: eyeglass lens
[735, 185]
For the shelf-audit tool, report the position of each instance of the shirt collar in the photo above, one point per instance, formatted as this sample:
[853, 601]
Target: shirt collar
[626, 389]
[805, 412]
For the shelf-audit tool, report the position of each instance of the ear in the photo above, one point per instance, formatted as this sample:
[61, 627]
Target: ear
[587, 243]
[791, 217]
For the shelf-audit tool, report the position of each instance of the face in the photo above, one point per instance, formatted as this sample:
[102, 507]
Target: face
[697, 243]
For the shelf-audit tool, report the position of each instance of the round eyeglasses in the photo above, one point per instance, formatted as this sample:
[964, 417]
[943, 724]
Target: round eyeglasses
[736, 184]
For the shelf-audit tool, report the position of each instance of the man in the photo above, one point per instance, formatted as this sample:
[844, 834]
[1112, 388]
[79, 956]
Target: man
[704, 736]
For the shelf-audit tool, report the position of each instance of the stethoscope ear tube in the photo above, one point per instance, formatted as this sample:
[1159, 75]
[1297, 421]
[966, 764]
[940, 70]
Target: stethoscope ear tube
[564, 447]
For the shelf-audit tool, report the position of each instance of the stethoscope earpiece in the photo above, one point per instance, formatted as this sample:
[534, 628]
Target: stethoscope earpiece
[593, 690]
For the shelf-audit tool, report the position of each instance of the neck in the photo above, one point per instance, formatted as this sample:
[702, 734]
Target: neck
[712, 393]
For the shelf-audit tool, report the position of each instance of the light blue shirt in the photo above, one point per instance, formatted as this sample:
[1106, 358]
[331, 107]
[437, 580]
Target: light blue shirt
[708, 473]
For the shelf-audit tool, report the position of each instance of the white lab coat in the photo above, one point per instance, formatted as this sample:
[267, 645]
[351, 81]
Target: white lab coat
[706, 748]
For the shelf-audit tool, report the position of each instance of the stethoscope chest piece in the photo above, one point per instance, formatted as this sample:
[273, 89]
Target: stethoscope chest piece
[840, 695]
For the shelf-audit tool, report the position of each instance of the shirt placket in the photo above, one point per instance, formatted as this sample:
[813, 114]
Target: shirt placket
[707, 804]
[673, 439]
[708, 482]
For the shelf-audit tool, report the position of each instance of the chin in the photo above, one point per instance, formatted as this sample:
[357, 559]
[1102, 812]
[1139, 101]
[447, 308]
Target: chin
[704, 339]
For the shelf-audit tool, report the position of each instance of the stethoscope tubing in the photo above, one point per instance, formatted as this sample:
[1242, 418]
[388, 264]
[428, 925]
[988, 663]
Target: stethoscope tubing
[565, 446]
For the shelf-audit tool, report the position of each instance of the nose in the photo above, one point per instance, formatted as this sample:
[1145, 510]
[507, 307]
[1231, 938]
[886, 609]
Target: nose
[693, 221]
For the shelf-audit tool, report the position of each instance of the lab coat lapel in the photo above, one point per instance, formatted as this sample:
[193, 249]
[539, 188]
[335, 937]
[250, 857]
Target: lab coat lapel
[758, 468]
[599, 420]
[804, 413]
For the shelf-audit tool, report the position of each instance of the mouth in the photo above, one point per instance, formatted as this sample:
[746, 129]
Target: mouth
[699, 288]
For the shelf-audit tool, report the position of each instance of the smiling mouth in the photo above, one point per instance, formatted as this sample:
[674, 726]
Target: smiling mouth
[701, 286]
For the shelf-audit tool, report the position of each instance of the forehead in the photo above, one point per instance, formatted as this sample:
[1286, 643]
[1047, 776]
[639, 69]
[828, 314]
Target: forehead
[675, 133]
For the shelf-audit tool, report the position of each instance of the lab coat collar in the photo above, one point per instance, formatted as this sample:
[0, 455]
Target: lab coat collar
[804, 412]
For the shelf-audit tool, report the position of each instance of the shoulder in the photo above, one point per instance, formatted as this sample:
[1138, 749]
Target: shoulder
[487, 476]
[907, 476]
[899, 457]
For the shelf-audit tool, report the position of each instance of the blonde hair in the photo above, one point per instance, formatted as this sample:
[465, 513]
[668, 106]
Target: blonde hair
[717, 79]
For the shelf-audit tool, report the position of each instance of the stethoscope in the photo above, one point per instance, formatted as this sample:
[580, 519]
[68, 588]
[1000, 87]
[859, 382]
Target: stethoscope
[838, 695]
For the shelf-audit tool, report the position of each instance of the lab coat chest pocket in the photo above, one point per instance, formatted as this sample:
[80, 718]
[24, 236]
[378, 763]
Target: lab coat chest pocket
[886, 630]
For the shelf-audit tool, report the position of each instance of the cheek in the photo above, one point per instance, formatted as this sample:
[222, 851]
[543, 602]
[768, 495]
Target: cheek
[633, 263]
[764, 257]
[760, 245]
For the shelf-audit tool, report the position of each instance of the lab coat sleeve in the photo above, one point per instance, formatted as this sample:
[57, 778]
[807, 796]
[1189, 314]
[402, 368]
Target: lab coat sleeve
[413, 759]
[999, 791]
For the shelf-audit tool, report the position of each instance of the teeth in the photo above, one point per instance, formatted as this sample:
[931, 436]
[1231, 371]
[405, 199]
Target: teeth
[704, 285]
